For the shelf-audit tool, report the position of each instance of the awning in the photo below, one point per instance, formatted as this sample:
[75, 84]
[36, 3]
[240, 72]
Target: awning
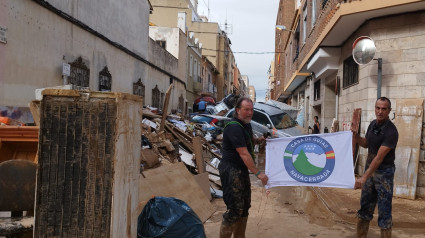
[284, 95]
[325, 61]
[297, 79]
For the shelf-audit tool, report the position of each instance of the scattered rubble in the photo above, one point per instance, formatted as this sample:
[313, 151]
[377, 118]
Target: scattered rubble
[177, 143]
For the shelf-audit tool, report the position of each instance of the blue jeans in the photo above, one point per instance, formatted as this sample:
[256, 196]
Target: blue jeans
[378, 189]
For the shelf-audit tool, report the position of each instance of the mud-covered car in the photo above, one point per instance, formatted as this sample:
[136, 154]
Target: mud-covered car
[271, 121]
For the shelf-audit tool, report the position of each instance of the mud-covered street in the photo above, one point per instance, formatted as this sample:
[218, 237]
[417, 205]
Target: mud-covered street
[316, 212]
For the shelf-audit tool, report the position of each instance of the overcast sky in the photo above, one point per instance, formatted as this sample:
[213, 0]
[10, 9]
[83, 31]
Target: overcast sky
[253, 23]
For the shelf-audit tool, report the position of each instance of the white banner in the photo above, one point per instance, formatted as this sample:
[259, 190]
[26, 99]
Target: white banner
[319, 160]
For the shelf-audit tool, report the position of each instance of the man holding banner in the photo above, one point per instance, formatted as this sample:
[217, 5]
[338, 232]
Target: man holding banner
[377, 181]
[238, 157]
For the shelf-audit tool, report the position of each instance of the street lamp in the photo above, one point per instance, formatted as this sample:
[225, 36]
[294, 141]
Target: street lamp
[283, 28]
[363, 52]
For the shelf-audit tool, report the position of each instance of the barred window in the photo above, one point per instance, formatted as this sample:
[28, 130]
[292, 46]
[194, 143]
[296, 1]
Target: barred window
[105, 80]
[156, 97]
[80, 73]
[139, 88]
[350, 73]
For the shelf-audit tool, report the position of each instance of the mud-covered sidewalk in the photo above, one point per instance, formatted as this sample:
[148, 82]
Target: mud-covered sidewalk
[316, 212]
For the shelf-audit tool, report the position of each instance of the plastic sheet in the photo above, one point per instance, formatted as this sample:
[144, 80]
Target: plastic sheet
[169, 217]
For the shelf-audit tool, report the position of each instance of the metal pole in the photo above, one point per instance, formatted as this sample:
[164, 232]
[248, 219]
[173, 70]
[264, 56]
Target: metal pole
[379, 77]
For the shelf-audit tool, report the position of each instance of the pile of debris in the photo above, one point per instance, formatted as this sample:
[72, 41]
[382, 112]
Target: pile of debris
[179, 141]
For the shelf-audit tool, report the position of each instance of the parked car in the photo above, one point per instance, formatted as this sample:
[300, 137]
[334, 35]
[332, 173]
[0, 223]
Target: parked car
[271, 121]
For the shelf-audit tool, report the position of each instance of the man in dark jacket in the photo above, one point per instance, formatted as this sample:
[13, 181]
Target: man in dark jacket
[377, 181]
[237, 158]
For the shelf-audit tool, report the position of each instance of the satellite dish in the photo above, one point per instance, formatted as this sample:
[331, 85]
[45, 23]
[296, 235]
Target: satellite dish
[363, 50]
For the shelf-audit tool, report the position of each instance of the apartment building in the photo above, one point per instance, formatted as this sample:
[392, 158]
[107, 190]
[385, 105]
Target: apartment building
[216, 44]
[316, 69]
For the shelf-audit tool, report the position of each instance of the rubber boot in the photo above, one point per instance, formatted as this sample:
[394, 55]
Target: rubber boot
[362, 228]
[240, 227]
[227, 230]
[386, 233]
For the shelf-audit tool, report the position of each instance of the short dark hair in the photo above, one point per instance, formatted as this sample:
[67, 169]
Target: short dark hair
[316, 117]
[239, 103]
[384, 99]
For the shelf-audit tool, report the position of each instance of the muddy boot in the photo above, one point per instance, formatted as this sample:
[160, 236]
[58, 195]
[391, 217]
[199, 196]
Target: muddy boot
[240, 227]
[226, 230]
[362, 228]
[386, 233]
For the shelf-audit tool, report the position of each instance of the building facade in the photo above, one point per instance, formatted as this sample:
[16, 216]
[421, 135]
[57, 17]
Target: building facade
[252, 95]
[270, 82]
[167, 49]
[209, 77]
[216, 45]
[316, 70]
[42, 48]
[194, 79]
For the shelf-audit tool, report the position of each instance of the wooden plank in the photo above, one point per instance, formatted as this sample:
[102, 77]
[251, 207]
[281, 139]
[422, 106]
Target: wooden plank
[215, 179]
[184, 142]
[187, 140]
[204, 183]
[355, 124]
[126, 167]
[408, 120]
[165, 108]
[175, 181]
[35, 111]
[197, 149]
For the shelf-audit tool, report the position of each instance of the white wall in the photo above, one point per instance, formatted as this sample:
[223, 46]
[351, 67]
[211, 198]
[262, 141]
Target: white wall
[39, 41]
[170, 35]
[115, 19]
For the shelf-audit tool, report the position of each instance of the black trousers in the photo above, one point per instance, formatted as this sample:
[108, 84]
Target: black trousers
[236, 187]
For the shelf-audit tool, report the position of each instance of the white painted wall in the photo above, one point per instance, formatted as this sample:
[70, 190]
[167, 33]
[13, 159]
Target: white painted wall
[170, 35]
[115, 19]
[39, 42]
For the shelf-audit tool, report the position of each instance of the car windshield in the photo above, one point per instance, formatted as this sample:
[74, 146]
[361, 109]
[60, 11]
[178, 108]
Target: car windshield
[283, 121]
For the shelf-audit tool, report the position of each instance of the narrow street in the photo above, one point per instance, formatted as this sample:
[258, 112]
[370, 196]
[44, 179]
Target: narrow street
[107, 105]
[315, 212]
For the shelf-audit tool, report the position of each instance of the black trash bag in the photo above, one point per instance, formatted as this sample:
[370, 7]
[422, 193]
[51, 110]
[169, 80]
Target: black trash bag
[169, 217]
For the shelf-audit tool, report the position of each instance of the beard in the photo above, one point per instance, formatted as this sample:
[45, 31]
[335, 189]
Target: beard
[246, 120]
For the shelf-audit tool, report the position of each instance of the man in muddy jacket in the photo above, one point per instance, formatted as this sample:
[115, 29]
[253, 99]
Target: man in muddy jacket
[377, 181]
[237, 159]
